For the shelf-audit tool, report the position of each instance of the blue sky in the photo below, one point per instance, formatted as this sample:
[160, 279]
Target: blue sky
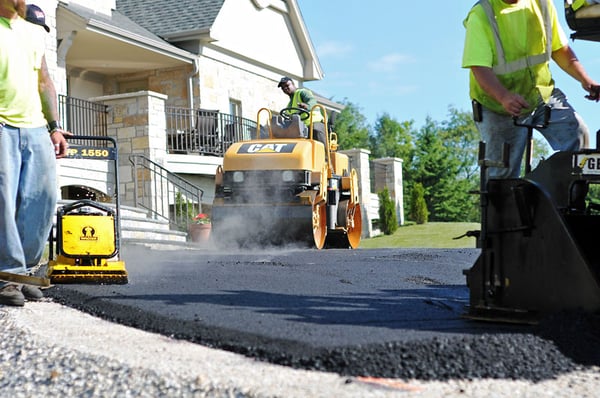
[403, 58]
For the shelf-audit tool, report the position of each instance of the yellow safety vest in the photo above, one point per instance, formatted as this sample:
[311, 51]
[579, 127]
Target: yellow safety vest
[316, 113]
[503, 67]
[529, 74]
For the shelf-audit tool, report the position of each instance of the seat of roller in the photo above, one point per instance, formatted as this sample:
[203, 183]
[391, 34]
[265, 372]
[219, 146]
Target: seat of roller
[288, 128]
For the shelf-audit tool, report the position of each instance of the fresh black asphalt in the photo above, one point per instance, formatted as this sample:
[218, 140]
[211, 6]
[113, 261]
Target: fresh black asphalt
[370, 312]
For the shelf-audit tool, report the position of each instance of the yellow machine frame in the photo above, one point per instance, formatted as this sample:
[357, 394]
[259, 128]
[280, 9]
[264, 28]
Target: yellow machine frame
[88, 233]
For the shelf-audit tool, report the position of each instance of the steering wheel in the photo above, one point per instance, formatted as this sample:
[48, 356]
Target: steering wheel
[287, 113]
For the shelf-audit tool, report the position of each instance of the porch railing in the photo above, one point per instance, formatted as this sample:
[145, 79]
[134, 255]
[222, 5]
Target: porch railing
[164, 194]
[205, 132]
[189, 131]
[83, 117]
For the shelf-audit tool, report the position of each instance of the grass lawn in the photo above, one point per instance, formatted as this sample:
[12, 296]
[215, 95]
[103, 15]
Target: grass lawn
[433, 234]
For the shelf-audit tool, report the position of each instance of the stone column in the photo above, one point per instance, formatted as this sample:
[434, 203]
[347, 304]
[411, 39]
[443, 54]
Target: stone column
[388, 173]
[138, 122]
[359, 160]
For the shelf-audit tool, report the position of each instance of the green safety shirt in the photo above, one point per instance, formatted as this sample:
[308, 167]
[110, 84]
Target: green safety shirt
[516, 41]
[22, 46]
[306, 96]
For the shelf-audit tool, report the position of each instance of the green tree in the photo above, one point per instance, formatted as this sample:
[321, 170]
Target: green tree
[437, 165]
[388, 222]
[441, 156]
[461, 136]
[418, 207]
[541, 151]
[351, 128]
[392, 139]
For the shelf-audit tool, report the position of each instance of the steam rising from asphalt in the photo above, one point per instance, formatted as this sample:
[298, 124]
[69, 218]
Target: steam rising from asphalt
[256, 223]
[258, 231]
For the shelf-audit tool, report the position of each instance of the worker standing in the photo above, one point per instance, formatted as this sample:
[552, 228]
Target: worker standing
[508, 48]
[31, 139]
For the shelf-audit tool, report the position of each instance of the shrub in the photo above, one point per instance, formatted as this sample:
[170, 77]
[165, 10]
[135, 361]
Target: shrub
[418, 206]
[388, 222]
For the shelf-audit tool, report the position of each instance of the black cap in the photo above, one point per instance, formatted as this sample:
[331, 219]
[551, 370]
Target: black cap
[283, 81]
[36, 16]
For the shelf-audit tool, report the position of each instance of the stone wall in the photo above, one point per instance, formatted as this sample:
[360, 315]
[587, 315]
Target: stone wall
[137, 121]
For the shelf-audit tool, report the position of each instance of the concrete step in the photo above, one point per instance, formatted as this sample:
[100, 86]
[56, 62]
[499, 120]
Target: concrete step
[164, 244]
[139, 228]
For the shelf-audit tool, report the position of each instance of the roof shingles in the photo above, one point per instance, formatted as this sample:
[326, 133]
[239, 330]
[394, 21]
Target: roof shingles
[166, 17]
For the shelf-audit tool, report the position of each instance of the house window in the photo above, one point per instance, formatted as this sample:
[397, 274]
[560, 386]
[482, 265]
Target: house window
[234, 128]
[235, 107]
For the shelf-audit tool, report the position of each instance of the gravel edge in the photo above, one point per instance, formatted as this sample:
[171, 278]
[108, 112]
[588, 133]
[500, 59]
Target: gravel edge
[53, 350]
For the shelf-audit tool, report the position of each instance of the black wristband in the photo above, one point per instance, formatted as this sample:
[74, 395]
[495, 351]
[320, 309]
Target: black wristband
[53, 126]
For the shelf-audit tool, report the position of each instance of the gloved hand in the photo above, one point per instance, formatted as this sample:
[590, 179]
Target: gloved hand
[594, 94]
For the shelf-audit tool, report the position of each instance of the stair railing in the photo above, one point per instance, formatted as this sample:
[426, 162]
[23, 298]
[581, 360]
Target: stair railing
[164, 194]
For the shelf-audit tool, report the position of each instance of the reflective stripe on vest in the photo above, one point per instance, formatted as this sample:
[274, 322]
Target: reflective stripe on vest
[316, 113]
[502, 67]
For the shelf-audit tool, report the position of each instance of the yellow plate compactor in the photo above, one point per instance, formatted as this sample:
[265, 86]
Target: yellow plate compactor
[88, 232]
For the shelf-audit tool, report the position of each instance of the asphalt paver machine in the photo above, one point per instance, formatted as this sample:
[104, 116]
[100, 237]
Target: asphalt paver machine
[538, 239]
[85, 247]
[539, 233]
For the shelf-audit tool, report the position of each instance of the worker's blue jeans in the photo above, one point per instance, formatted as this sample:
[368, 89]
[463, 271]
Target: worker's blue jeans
[565, 132]
[28, 193]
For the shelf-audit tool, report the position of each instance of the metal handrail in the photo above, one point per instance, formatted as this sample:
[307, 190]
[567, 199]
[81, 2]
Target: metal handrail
[204, 131]
[83, 117]
[164, 194]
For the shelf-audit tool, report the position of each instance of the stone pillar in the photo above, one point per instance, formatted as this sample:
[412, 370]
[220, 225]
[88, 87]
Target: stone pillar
[56, 68]
[138, 122]
[359, 160]
[388, 173]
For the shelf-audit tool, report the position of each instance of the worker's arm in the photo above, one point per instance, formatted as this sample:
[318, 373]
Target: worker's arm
[566, 59]
[308, 99]
[487, 79]
[50, 109]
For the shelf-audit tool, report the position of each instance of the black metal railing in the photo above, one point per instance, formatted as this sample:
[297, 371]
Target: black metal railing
[189, 131]
[164, 194]
[83, 117]
[203, 131]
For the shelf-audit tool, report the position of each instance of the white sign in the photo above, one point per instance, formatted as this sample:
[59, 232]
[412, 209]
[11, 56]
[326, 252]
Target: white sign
[589, 163]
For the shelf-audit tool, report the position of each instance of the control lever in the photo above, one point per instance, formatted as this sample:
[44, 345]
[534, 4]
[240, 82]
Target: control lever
[530, 127]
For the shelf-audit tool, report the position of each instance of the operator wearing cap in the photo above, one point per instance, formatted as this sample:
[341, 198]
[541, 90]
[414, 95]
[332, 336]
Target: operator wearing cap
[304, 98]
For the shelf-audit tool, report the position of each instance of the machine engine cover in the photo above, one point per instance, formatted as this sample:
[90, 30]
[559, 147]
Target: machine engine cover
[88, 235]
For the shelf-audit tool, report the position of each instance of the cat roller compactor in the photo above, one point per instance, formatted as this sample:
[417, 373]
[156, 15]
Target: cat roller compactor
[285, 186]
[87, 232]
